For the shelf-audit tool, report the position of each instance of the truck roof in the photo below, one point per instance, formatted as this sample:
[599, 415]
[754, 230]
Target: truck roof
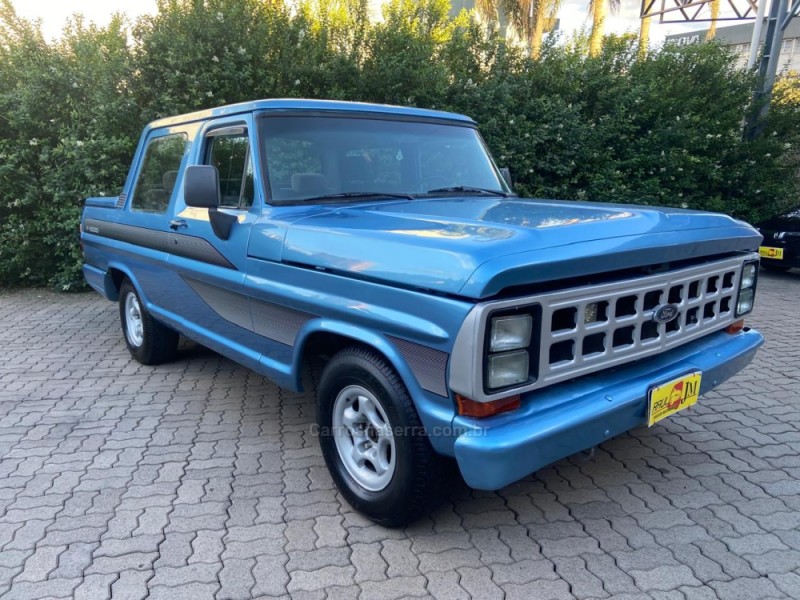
[294, 104]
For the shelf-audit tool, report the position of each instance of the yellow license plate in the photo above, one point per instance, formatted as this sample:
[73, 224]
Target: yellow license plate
[774, 253]
[668, 398]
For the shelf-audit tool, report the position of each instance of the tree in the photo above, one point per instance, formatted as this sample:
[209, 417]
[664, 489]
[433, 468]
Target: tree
[644, 36]
[531, 19]
[712, 30]
[599, 10]
[488, 10]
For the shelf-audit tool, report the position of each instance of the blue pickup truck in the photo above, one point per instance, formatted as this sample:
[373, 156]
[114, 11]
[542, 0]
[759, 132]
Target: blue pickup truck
[454, 320]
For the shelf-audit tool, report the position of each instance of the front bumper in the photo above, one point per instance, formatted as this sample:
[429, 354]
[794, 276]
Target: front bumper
[790, 259]
[791, 251]
[566, 418]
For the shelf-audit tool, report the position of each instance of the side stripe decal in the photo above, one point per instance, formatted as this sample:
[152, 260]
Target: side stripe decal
[282, 324]
[187, 246]
[266, 319]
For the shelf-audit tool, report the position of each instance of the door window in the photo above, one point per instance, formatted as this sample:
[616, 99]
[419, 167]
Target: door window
[230, 154]
[159, 172]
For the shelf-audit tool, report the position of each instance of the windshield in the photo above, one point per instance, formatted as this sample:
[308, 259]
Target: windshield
[346, 158]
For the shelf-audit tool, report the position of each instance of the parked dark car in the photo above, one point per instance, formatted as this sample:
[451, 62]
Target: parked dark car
[780, 250]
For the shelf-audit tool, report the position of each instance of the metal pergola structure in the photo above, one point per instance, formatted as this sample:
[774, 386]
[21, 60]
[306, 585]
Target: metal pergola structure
[696, 11]
[781, 13]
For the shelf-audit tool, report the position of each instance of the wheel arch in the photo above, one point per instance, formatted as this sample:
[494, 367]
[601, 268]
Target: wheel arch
[115, 275]
[322, 339]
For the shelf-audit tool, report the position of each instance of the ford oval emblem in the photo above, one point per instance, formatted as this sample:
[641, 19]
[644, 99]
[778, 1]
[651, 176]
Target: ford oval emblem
[666, 313]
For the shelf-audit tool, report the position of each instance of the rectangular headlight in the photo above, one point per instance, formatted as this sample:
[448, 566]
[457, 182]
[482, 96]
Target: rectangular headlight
[510, 333]
[507, 369]
[745, 302]
[749, 272]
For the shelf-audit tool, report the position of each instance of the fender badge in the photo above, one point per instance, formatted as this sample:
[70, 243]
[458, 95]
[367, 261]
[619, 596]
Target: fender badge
[666, 313]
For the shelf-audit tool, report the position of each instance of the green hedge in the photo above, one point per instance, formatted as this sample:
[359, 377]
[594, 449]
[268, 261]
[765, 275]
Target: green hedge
[664, 129]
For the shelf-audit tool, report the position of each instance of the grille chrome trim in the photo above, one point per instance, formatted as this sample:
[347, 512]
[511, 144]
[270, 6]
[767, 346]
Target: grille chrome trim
[570, 348]
[698, 313]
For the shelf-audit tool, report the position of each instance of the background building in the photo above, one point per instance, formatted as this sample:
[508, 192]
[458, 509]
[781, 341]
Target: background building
[739, 37]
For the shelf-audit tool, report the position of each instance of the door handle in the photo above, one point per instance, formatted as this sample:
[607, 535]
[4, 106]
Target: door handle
[176, 224]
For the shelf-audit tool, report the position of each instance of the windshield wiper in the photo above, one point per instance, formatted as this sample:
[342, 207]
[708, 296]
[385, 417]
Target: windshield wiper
[470, 190]
[341, 195]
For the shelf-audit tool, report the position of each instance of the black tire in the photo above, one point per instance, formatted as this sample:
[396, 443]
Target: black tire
[416, 483]
[775, 268]
[158, 343]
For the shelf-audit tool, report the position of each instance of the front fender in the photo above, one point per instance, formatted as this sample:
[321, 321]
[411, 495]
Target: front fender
[436, 412]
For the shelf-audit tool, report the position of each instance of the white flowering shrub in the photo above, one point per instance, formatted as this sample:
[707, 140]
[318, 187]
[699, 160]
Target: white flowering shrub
[664, 129]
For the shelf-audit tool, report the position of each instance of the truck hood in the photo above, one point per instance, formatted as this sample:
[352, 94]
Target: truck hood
[475, 247]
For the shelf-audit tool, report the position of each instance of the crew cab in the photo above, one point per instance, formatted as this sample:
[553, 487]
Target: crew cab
[454, 319]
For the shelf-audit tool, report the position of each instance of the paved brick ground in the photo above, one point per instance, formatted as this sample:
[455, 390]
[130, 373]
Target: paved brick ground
[199, 479]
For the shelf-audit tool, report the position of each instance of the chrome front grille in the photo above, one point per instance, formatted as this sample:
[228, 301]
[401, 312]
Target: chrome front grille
[583, 330]
[591, 328]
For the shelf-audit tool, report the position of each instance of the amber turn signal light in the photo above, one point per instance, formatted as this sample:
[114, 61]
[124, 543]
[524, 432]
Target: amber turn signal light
[735, 327]
[481, 410]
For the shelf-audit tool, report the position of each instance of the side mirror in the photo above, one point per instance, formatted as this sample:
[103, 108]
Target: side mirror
[201, 190]
[506, 173]
[201, 186]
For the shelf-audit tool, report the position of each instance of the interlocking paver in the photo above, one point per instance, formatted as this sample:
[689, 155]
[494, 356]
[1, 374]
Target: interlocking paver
[236, 579]
[330, 532]
[197, 573]
[523, 571]
[745, 588]
[270, 575]
[546, 590]
[664, 578]
[369, 563]
[318, 559]
[397, 587]
[754, 543]
[445, 586]
[399, 558]
[95, 587]
[320, 578]
[200, 479]
[492, 549]
[478, 583]
[582, 583]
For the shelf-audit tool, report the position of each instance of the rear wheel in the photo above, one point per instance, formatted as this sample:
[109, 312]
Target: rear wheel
[373, 442]
[148, 341]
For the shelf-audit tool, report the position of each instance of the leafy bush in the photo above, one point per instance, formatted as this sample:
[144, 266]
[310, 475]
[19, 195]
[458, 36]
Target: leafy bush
[68, 124]
[662, 129]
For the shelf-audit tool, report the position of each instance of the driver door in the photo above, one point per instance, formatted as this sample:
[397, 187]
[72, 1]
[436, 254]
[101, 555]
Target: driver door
[209, 271]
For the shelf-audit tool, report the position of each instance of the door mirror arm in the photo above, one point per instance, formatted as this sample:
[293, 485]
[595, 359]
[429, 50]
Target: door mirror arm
[221, 222]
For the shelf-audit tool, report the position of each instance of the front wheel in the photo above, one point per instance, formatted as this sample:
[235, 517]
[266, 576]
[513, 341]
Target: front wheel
[373, 441]
[148, 341]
